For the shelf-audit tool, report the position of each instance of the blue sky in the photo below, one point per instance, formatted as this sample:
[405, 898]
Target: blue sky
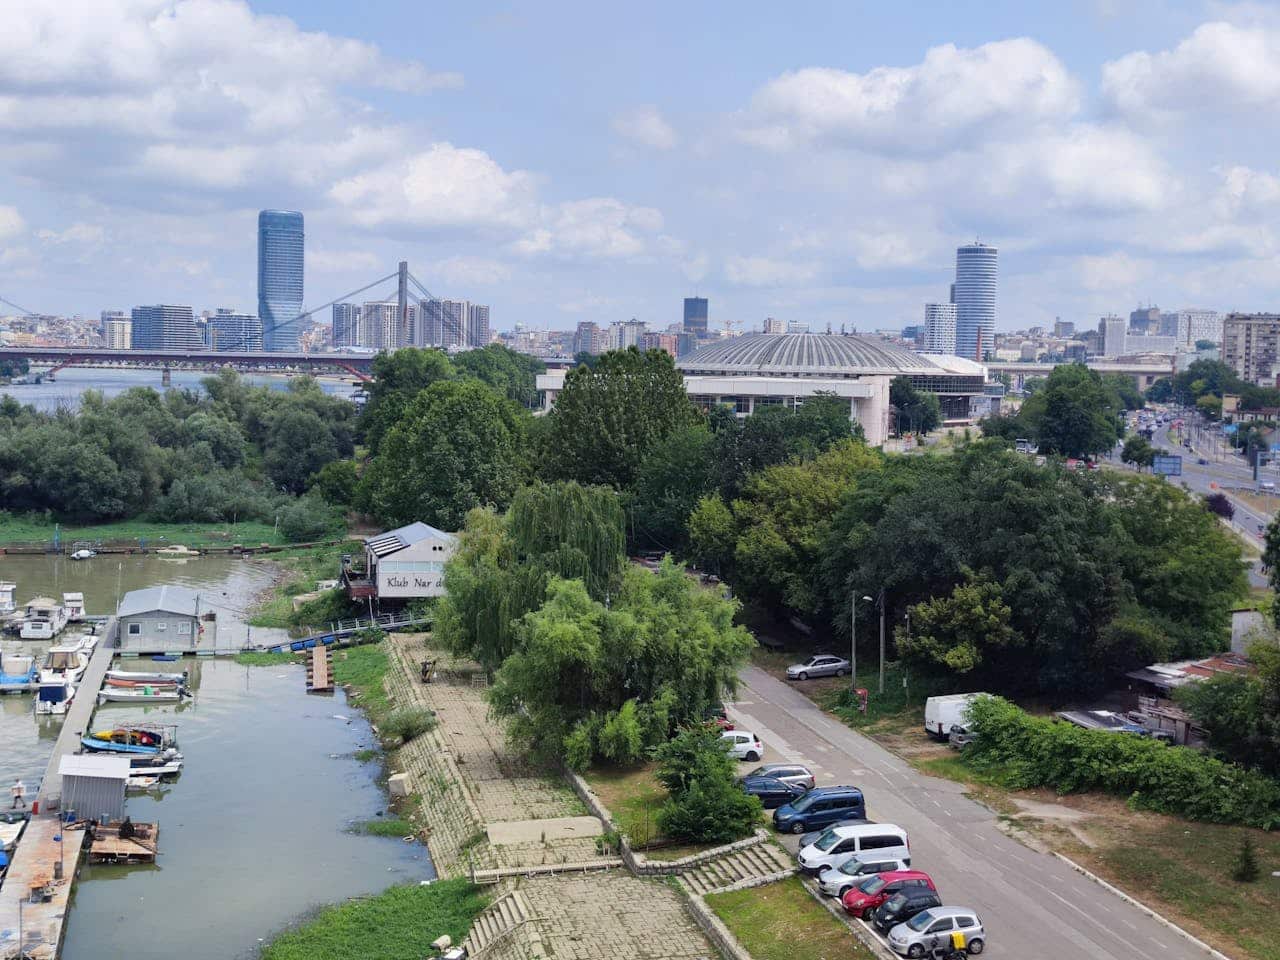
[816, 162]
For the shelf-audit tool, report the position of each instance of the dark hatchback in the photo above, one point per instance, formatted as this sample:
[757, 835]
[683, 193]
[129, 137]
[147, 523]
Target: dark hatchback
[772, 792]
[901, 907]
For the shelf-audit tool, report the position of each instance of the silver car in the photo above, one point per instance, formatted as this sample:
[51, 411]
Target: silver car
[821, 665]
[792, 773]
[920, 935]
[843, 878]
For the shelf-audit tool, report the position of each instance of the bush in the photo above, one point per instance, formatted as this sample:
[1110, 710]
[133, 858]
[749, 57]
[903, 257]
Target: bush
[329, 607]
[309, 518]
[621, 739]
[408, 722]
[1041, 752]
[707, 805]
[336, 482]
[1245, 869]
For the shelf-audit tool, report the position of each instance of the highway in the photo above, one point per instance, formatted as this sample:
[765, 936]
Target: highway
[1034, 906]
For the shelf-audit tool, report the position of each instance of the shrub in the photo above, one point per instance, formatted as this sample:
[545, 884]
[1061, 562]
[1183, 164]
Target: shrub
[711, 810]
[621, 739]
[1245, 869]
[408, 722]
[309, 518]
[329, 607]
[579, 745]
[1041, 752]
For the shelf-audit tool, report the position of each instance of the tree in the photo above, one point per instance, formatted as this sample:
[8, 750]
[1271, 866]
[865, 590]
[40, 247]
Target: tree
[706, 804]
[1245, 869]
[1241, 712]
[298, 444]
[457, 446]
[1161, 391]
[1270, 563]
[511, 374]
[676, 474]
[919, 411]
[957, 631]
[712, 535]
[1219, 504]
[1075, 415]
[336, 482]
[607, 418]
[1124, 387]
[1138, 451]
[397, 377]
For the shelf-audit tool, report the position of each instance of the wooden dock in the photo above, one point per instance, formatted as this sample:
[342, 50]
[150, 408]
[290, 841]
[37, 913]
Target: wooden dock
[320, 670]
[107, 846]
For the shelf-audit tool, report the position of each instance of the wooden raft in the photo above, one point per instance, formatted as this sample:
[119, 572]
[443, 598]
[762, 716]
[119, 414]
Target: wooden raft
[108, 847]
[320, 671]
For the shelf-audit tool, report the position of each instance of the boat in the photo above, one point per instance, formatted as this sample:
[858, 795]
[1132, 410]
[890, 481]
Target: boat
[43, 619]
[12, 823]
[7, 590]
[142, 695]
[54, 695]
[83, 555]
[73, 604]
[17, 672]
[69, 659]
[141, 783]
[166, 764]
[177, 550]
[146, 676]
[146, 739]
[139, 684]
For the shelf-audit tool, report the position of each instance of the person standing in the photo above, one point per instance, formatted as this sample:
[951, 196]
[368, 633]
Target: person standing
[19, 795]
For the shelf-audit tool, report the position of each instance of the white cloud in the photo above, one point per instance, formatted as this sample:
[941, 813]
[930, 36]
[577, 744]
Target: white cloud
[1219, 68]
[1116, 274]
[340, 261]
[462, 271]
[88, 234]
[768, 271]
[646, 126]
[599, 227]
[925, 108]
[11, 222]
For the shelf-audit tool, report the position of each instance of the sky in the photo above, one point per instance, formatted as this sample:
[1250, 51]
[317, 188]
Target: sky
[569, 161]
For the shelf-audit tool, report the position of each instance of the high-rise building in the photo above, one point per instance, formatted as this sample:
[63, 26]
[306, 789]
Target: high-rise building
[1063, 329]
[695, 316]
[774, 325]
[117, 331]
[975, 299]
[477, 324]
[280, 267]
[237, 332]
[346, 325]
[444, 324]
[1193, 325]
[164, 327]
[1145, 320]
[384, 329]
[940, 328]
[660, 341]
[1251, 346]
[586, 339]
[107, 316]
[1114, 331]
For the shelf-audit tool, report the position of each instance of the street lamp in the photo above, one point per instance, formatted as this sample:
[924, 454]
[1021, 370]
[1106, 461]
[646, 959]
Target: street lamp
[853, 639]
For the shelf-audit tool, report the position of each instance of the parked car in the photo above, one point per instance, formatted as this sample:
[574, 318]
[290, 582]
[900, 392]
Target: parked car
[933, 928]
[902, 906]
[1201, 460]
[874, 891]
[960, 736]
[810, 838]
[822, 665]
[743, 745]
[793, 773]
[941, 712]
[820, 808]
[717, 714]
[838, 844]
[839, 880]
[771, 791]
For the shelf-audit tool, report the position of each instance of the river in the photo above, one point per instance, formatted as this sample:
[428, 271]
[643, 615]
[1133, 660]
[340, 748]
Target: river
[64, 391]
[255, 832]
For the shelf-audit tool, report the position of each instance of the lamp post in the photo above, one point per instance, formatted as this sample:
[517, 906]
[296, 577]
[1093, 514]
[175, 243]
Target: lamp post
[853, 639]
[882, 599]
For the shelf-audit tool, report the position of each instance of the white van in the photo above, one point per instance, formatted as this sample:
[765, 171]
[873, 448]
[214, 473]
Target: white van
[838, 844]
[940, 713]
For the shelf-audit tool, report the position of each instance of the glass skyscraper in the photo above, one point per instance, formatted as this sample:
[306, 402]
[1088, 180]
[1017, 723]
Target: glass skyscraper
[280, 250]
[975, 300]
[695, 316]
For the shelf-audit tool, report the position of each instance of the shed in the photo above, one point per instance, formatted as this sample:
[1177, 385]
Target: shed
[93, 785]
[165, 619]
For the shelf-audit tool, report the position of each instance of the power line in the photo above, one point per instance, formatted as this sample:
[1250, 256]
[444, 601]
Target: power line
[306, 313]
[29, 313]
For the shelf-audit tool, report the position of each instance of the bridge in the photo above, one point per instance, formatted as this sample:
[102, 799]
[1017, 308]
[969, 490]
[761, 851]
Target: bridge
[358, 365]
[1144, 372]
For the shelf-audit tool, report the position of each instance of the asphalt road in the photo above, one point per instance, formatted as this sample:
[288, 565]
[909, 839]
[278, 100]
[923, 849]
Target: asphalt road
[1034, 906]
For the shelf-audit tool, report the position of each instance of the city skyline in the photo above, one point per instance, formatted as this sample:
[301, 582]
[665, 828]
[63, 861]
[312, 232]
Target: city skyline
[794, 183]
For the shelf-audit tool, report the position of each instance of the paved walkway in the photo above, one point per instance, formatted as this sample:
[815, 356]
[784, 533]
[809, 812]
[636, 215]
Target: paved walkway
[76, 722]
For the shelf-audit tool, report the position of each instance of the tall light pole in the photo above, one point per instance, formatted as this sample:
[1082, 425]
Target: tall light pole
[853, 639]
[882, 598]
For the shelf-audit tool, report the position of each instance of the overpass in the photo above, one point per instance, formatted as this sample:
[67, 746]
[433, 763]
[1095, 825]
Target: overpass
[1144, 372]
[59, 358]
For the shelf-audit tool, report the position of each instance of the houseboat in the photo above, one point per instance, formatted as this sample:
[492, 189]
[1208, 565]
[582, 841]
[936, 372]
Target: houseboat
[73, 604]
[43, 619]
[7, 604]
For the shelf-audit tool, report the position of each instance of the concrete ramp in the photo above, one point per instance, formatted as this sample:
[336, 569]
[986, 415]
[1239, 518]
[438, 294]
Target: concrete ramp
[512, 832]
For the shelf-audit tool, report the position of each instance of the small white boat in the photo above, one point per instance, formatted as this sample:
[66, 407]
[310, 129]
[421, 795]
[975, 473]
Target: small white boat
[54, 695]
[165, 765]
[177, 550]
[11, 826]
[83, 555]
[73, 604]
[141, 694]
[7, 590]
[43, 619]
[141, 783]
[147, 676]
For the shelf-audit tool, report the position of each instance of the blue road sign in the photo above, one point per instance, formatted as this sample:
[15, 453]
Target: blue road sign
[1167, 466]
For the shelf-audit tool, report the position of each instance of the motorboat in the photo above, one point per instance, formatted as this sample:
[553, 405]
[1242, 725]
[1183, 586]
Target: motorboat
[177, 550]
[140, 695]
[43, 619]
[83, 554]
[12, 823]
[54, 694]
[73, 604]
[7, 590]
[69, 659]
[118, 684]
[146, 676]
[145, 739]
[17, 672]
[168, 763]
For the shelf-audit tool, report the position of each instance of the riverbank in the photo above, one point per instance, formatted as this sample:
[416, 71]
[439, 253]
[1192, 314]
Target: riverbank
[32, 531]
[296, 572]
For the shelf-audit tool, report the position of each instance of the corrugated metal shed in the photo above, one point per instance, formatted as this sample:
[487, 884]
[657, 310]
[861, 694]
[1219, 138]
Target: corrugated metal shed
[170, 599]
[93, 786]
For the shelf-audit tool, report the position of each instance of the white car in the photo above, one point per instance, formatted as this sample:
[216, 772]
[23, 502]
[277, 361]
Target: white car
[926, 931]
[743, 745]
[837, 844]
[840, 879]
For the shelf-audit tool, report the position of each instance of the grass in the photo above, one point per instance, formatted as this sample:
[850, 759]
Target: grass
[15, 530]
[405, 723]
[364, 668]
[633, 796]
[385, 827]
[395, 924]
[367, 755]
[782, 921]
[302, 568]
[250, 658]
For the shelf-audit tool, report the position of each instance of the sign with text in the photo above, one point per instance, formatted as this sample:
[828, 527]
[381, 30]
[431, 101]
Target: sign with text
[1167, 466]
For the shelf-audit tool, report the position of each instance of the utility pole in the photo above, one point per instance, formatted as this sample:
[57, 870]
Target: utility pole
[853, 639]
[882, 640]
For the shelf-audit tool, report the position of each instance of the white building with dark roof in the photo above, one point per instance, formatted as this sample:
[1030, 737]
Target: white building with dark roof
[165, 619]
[407, 563]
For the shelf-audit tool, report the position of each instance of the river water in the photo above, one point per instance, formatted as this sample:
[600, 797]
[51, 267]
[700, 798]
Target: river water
[255, 833]
[65, 389]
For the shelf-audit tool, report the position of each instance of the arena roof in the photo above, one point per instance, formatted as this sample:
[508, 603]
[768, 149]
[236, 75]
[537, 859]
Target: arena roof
[816, 355]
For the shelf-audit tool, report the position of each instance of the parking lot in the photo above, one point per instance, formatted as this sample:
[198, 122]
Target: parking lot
[1033, 905]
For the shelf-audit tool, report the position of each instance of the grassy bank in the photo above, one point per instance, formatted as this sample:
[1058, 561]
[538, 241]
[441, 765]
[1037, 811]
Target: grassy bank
[26, 530]
[397, 923]
[781, 921]
[301, 568]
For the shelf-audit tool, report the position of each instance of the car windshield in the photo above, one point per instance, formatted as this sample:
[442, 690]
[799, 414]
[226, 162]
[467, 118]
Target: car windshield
[853, 866]
[805, 802]
[894, 903]
[874, 885]
[828, 840]
[760, 772]
[920, 921]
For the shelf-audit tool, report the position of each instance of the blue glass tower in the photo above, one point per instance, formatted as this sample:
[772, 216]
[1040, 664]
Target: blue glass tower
[280, 278]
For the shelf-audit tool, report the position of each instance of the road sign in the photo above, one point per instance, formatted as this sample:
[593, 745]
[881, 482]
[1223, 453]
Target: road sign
[1167, 466]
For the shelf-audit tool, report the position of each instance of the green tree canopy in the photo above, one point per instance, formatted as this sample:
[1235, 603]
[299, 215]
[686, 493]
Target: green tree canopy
[511, 374]
[917, 410]
[958, 632]
[398, 377]
[1138, 451]
[1075, 415]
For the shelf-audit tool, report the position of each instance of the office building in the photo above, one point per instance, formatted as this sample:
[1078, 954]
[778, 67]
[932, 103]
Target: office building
[280, 267]
[346, 325]
[239, 332]
[695, 316]
[974, 295]
[477, 324]
[1145, 320]
[1063, 329]
[586, 339]
[1191, 325]
[1114, 332]
[1251, 346]
[940, 328]
[118, 331]
[164, 326]
[914, 333]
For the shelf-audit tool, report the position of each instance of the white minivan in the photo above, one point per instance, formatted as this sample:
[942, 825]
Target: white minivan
[838, 844]
[940, 713]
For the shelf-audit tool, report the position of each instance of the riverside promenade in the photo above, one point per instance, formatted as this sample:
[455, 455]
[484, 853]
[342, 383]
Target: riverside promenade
[46, 856]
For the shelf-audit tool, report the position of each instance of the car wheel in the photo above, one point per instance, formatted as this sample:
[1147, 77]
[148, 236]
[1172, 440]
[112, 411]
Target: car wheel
[841, 672]
[916, 951]
[802, 675]
[797, 828]
[975, 946]
[752, 757]
[843, 891]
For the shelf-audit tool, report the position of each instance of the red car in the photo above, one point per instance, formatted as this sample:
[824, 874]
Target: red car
[877, 889]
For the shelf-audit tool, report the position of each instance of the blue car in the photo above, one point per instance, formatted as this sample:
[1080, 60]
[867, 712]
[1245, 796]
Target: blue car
[820, 808]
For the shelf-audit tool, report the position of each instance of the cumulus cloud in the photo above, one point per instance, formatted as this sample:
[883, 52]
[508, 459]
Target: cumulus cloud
[646, 126]
[87, 234]
[768, 271]
[599, 227]
[464, 271]
[11, 222]
[925, 108]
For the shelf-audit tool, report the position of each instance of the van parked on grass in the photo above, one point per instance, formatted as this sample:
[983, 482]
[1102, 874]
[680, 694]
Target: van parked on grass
[941, 713]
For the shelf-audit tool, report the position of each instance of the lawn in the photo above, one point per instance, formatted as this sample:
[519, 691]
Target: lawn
[782, 921]
[364, 668]
[397, 923]
[633, 796]
[26, 530]
[302, 568]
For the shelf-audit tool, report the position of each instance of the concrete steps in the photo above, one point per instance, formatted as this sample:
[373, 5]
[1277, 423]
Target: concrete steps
[739, 868]
[504, 914]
